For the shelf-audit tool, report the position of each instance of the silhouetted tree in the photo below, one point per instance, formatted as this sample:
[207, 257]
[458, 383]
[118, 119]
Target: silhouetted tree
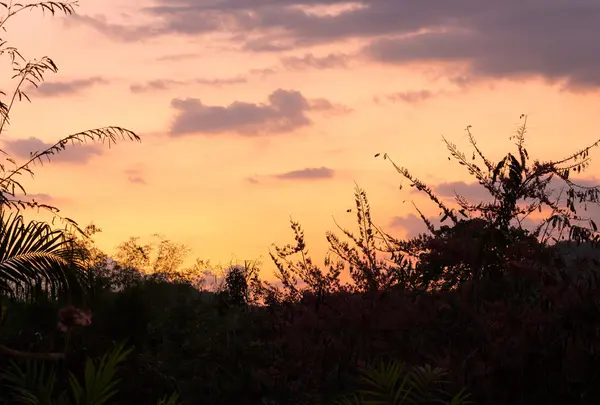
[485, 236]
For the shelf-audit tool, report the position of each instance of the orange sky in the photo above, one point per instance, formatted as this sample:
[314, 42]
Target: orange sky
[194, 188]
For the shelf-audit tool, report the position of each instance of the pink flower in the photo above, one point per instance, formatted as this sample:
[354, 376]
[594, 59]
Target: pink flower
[71, 317]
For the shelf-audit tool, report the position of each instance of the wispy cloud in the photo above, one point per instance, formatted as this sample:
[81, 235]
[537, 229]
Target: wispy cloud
[321, 104]
[310, 173]
[135, 176]
[411, 97]
[262, 73]
[309, 61]
[40, 198]
[166, 84]
[412, 224]
[177, 57]
[62, 88]
[74, 154]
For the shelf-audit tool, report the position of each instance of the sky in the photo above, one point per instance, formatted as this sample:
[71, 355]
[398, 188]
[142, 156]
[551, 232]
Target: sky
[252, 112]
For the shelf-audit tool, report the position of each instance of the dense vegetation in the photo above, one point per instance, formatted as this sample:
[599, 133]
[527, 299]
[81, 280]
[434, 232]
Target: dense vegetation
[483, 309]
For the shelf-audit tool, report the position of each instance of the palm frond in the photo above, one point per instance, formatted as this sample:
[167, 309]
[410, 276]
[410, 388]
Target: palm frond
[35, 255]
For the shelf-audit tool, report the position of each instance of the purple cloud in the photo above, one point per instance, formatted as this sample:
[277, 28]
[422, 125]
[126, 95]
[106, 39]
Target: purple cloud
[476, 193]
[75, 154]
[307, 174]
[309, 61]
[165, 84]
[135, 176]
[411, 97]
[285, 111]
[52, 89]
[555, 40]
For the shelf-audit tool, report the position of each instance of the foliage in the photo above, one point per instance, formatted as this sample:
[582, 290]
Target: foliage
[161, 258]
[34, 256]
[38, 384]
[390, 384]
[369, 271]
[304, 270]
[238, 283]
[519, 189]
[486, 235]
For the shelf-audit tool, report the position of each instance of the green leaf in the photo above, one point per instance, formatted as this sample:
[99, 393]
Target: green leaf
[99, 380]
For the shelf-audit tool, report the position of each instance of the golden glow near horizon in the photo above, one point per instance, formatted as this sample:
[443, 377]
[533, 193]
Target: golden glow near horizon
[227, 190]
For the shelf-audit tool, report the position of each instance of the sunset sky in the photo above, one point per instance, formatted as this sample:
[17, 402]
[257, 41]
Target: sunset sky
[252, 111]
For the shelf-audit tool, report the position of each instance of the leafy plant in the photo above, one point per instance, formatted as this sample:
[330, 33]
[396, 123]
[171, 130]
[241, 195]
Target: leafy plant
[520, 188]
[35, 256]
[37, 384]
[173, 399]
[99, 381]
[33, 384]
[304, 271]
[517, 188]
[370, 272]
[390, 384]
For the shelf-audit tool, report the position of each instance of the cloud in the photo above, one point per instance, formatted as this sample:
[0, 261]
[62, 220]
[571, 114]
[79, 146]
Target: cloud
[509, 39]
[114, 31]
[539, 39]
[412, 224]
[262, 73]
[411, 97]
[40, 198]
[321, 104]
[165, 84]
[51, 89]
[136, 180]
[309, 61]
[285, 111]
[476, 193]
[307, 174]
[75, 154]
[471, 191]
[176, 57]
[134, 176]
[158, 84]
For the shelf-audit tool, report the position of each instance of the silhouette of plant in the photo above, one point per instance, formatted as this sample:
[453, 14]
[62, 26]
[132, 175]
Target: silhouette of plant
[490, 234]
[304, 271]
[370, 272]
[37, 384]
[237, 284]
[34, 257]
[391, 384]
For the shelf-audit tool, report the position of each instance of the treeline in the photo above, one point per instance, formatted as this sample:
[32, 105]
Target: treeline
[478, 310]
